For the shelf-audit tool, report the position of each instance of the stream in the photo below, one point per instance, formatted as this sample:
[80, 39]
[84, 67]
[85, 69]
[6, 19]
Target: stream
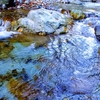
[54, 66]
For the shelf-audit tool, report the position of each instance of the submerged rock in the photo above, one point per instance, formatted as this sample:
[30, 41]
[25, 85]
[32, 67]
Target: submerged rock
[4, 1]
[97, 32]
[80, 86]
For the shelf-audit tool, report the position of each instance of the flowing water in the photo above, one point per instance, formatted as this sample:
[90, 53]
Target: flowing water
[52, 67]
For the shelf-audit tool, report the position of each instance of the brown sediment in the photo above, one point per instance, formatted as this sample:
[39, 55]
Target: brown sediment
[27, 39]
[10, 15]
[11, 74]
[17, 86]
[5, 49]
[21, 90]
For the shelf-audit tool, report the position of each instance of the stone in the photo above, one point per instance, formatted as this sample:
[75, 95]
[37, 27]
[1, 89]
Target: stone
[11, 3]
[62, 30]
[75, 1]
[83, 29]
[85, 0]
[91, 5]
[94, 0]
[43, 20]
[80, 86]
[77, 14]
[97, 32]
[4, 1]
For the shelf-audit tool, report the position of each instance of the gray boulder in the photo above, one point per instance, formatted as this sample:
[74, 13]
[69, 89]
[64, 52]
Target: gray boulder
[43, 20]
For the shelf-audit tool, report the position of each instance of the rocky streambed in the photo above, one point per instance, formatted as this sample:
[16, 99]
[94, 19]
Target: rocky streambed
[50, 54]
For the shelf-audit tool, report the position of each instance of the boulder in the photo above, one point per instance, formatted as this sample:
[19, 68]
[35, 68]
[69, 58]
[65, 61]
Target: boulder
[97, 32]
[77, 14]
[4, 1]
[43, 20]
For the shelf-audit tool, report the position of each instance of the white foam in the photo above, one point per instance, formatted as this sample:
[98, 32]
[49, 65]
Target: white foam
[5, 34]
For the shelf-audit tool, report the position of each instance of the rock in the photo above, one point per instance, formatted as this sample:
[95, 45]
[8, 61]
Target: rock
[42, 20]
[62, 30]
[77, 14]
[94, 0]
[11, 3]
[75, 1]
[97, 32]
[86, 0]
[91, 5]
[92, 21]
[80, 86]
[83, 29]
[4, 1]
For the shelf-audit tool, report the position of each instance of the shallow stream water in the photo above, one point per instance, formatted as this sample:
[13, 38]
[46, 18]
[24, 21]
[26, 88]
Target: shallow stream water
[51, 67]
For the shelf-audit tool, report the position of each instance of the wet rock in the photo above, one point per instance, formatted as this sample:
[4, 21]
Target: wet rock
[83, 29]
[89, 14]
[80, 86]
[91, 5]
[4, 1]
[11, 3]
[62, 30]
[42, 20]
[94, 0]
[97, 32]
[66, 28]
[69, 1]
[86, 0]
[92, 21]
[75, 1]
[77, 14]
